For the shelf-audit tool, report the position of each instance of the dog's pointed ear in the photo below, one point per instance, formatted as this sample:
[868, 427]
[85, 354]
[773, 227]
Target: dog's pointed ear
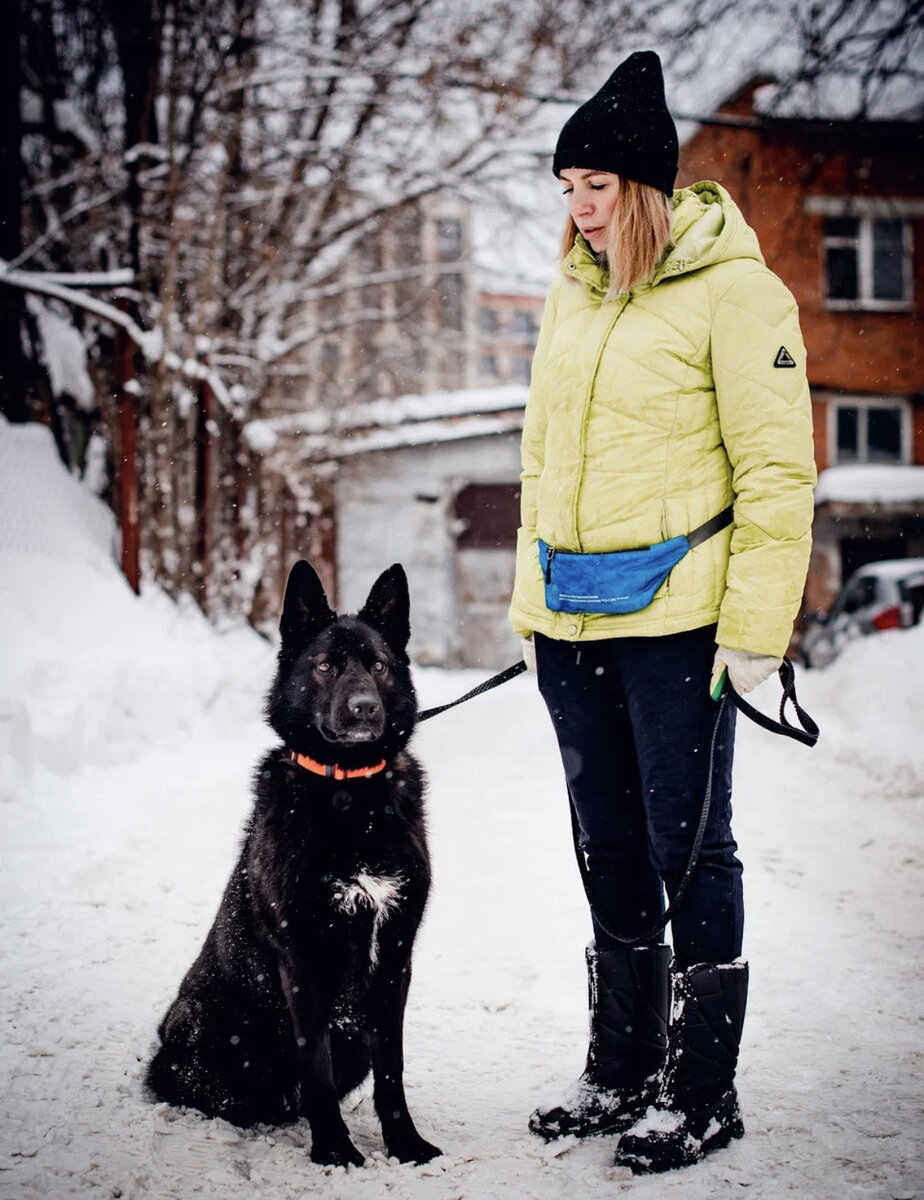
[305, 610]
[387, 608]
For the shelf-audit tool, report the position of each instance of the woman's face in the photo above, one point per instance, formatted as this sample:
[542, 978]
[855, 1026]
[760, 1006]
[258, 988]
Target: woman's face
[592, 197]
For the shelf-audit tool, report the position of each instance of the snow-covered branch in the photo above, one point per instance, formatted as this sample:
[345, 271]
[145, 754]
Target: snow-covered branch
[150, 342]
[120, 277]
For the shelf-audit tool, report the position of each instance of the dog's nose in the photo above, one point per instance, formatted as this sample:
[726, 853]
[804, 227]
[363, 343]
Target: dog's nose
[364, 706]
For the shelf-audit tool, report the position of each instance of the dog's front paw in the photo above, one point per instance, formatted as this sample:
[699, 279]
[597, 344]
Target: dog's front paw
[414, 1150]
[336, 1154]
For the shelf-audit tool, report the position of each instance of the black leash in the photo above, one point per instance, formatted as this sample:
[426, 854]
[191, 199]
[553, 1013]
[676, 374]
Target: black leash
[495, 681]
[807, 735]
[650, 934]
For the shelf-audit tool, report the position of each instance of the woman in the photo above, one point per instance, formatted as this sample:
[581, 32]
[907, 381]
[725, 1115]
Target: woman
[668, 398]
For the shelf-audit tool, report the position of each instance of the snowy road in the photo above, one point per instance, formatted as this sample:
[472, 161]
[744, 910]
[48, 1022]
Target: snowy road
[111, 876]
[128, 730]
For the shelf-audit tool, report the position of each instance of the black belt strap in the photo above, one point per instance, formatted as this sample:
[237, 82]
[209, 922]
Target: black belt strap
[702, 533]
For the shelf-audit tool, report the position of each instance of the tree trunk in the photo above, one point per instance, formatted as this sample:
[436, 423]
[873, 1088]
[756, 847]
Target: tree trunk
[137, 28]
[12, 373]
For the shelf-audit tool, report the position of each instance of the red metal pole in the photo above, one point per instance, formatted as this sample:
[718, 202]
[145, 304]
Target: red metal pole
[128, 472]
[204, 486]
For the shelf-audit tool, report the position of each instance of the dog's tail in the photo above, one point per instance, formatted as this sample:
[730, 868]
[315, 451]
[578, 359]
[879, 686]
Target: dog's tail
[350, 1057]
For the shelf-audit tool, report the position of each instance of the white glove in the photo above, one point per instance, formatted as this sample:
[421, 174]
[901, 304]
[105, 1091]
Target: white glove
[745, 670]
[529, 653]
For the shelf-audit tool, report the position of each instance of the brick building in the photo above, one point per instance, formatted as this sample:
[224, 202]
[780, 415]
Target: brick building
[399, 316]
[508, 326]
[838, 207]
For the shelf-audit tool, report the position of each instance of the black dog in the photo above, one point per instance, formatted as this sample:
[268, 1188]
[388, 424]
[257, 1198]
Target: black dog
[302, 981]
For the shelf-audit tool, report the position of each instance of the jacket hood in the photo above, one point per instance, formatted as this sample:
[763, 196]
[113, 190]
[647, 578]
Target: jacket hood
[708, 229]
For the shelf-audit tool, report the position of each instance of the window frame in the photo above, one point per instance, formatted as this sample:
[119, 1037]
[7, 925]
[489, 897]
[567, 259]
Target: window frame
[865, 210]
[489, 322]
[863, 404]
[865, 243]
[529, 334]
[450, 239]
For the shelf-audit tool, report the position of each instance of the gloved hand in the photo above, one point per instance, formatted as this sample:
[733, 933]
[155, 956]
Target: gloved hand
[529, 653]
[745, 669]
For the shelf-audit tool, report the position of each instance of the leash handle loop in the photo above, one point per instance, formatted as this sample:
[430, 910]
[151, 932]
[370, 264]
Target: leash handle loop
[807, 734]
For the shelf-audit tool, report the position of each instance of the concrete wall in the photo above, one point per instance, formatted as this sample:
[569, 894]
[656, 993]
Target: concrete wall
[397, 506]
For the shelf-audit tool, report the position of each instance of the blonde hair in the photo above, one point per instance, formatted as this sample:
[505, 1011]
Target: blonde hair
[638, 233]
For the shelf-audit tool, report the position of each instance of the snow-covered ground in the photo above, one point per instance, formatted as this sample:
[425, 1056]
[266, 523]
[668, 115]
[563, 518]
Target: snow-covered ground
[128, 728]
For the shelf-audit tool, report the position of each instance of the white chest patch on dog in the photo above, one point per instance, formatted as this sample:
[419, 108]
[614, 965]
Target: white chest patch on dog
[380, 893]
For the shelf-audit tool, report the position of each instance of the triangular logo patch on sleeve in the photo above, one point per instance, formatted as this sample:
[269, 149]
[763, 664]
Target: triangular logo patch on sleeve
[784, 358]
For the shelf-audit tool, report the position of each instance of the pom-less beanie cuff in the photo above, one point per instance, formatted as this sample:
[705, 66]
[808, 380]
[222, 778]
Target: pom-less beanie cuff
[625, 128]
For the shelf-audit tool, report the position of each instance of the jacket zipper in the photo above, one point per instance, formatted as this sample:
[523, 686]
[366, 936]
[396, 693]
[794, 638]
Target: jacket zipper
[550, 554]
[620, 307]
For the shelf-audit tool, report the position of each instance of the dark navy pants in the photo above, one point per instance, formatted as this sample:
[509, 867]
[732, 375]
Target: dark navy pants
[634, 720]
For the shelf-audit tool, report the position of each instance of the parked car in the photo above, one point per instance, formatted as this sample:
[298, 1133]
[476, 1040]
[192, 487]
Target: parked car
[879, 596]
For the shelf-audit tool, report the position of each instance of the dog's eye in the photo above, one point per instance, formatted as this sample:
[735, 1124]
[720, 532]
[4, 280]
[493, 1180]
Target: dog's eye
[323, 666]
[378, 666]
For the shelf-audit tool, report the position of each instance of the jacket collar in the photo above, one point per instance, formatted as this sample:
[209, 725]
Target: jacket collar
[708, 228]
[581, 263]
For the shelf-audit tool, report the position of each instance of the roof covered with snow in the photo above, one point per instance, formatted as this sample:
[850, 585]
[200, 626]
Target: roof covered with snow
[870, 484]
[388, 424]
[840, 97]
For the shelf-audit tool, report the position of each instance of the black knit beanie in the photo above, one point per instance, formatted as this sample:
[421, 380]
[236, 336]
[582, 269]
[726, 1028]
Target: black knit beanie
[625, 128]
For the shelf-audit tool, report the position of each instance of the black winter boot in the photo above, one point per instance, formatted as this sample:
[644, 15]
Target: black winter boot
[629, 1001]
[697, 1111]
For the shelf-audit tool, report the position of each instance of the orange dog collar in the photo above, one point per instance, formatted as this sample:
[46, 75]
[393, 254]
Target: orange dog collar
[332, 771]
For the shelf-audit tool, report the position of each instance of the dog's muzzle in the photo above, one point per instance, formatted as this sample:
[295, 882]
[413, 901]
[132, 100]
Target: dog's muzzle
[360, 717]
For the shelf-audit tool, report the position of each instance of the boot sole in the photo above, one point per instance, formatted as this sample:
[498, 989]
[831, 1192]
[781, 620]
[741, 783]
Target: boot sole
[643, 1165]
[606, 1125]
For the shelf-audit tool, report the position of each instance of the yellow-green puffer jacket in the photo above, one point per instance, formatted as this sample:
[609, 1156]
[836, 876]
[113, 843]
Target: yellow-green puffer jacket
[651, 413]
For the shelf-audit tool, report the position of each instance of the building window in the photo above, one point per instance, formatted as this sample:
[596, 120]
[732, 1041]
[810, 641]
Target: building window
[449, 240]
[489, 366]
[870, 432]
[452, 292]
[488, 321]
[330, 360]
[520, 369]
[524, 326]
[867, 262]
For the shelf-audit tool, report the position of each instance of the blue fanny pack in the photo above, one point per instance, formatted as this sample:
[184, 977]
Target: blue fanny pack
[619, 581]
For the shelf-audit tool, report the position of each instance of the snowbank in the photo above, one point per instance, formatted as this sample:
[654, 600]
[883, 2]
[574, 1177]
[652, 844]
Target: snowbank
[872, 699]
[91, 673]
